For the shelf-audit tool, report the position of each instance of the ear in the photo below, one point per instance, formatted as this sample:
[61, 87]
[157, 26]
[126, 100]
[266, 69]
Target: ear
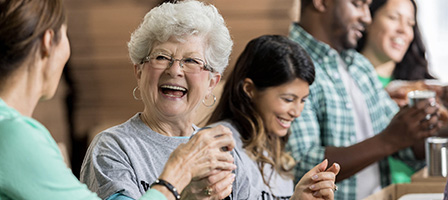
[214, 80]
[249, 87]
[138, 71]
[320, 5]
[47, 42]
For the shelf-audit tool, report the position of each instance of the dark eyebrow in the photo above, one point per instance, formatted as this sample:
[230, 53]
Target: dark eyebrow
[295, 96]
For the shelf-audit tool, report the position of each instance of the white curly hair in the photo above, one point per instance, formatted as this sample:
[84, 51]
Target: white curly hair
[182, 19]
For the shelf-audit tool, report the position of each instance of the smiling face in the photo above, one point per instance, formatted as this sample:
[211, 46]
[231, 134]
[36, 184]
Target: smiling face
[280, 105]
[170, 94]
[348, 19]
[391, 31]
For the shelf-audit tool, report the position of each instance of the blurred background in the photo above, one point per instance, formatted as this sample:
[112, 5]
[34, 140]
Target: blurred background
[95, 92]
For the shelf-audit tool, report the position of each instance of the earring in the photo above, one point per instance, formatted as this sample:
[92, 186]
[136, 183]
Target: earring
[135, 96]
[210, 105]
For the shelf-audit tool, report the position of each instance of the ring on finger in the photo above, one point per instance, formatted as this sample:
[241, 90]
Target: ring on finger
[208, 191]
[335, 188]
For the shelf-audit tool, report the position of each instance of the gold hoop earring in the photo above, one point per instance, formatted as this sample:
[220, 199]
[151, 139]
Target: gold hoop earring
[210, 105]
[135, 96]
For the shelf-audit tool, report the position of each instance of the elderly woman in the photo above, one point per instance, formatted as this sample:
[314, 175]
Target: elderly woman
[33, 51]
[179, 52]
[263, 95]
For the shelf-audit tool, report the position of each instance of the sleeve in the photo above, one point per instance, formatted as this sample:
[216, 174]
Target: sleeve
[304, 142]
[32, 166]
[107, 170]
[390, 107]
[151, 194]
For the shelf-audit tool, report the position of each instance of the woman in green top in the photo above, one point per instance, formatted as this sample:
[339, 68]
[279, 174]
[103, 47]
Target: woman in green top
[394, 46]
[33, 51]
[393, 42]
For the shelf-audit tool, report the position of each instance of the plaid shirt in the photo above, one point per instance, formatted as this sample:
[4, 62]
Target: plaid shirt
[327, 119]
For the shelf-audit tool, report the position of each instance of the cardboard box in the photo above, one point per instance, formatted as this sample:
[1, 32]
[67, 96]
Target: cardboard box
[422, 176]
[395, 191]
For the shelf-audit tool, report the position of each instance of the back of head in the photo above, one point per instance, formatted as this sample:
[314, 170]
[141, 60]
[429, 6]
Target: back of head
[22, 25]
[181, 19]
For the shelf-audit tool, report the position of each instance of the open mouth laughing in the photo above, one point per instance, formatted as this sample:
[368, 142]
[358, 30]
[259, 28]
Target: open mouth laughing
[173, 91]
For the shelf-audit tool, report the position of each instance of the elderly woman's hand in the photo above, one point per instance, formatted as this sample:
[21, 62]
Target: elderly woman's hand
[217, 186]
[206, 162]
[318, 183]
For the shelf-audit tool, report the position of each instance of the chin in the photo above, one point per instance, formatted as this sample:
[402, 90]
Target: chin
[281, 133]
[396, 58]
[350, 44]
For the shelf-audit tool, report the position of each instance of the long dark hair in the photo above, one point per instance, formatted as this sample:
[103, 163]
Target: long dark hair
[269, 61]
[22, 25]
[414, 65]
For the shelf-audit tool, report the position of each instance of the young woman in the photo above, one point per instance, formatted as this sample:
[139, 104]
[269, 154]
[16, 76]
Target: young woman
[264, 94]
[393, 44]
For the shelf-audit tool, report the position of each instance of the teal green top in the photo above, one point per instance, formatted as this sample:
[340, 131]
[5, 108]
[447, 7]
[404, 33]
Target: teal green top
[32, 167]
[385, 80]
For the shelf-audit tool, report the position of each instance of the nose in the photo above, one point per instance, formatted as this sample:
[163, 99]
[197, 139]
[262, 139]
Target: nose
[401, 27]
[295, 110]
[366, 18]
[174, 69]
[404, 27]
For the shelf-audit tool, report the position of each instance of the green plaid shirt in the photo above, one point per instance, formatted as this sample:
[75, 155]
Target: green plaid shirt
[327, 119]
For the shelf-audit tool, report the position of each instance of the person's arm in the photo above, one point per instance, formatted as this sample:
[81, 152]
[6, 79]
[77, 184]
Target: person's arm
[197, 160]
[405, 130]
[32, 166]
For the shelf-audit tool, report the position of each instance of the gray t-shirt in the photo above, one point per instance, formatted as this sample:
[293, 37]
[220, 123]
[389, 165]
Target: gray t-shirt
[129, 157]
[281, 187]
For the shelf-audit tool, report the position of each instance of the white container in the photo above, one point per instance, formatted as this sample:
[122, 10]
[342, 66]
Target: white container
[419, 95]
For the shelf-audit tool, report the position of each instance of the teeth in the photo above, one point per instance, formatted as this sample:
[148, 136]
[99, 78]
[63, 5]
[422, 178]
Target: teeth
[171, 95]
[284, 121]
[172, 87]
[398, 40]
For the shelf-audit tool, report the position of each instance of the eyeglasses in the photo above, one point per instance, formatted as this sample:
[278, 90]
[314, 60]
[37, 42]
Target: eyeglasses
[189, 65]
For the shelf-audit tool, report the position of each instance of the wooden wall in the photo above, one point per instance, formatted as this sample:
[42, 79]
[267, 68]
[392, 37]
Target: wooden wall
[101, 74]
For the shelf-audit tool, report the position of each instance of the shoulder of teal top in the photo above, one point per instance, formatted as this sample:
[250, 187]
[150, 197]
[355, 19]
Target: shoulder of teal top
[32, 160]
[11, 117]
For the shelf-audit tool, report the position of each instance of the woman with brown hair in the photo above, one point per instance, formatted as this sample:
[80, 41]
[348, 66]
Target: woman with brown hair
[264, 94]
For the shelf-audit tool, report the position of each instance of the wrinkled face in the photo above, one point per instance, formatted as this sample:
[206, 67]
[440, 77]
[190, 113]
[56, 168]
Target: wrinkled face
[348, 20]
[280, 105]
[58, 56]
[391, 31]
[172, 93]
